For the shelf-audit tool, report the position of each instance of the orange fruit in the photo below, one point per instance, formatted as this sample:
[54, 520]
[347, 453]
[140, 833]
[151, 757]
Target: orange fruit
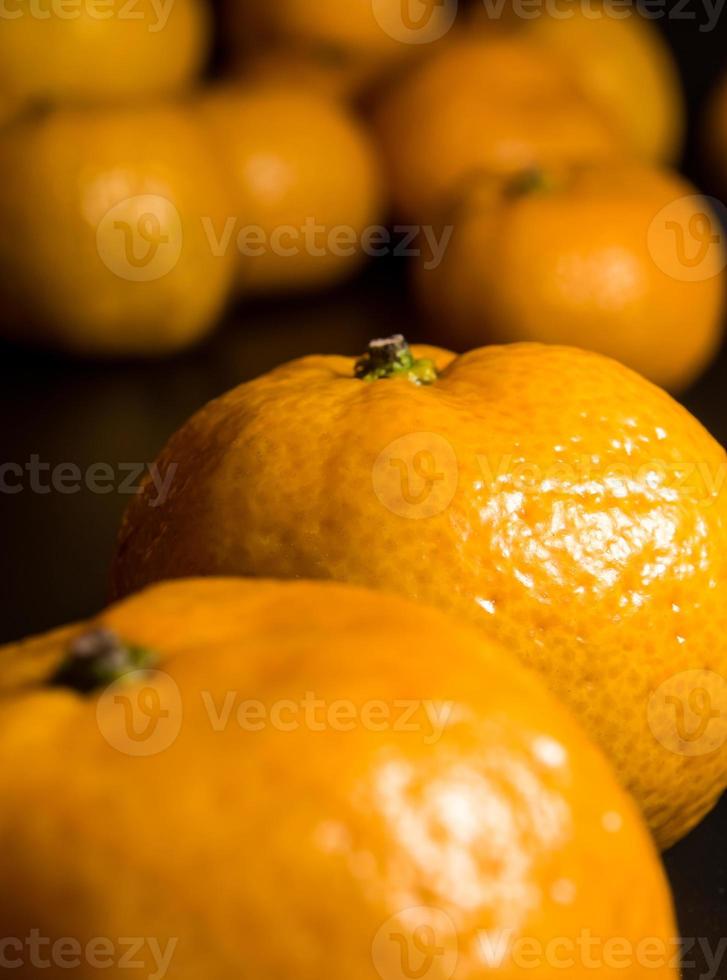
[549, 495]
[337, 49]
[496, 106]
[221, 737]
[306, 181]
[620, 259]
[103, 241]
[98, 53]
[612, 55]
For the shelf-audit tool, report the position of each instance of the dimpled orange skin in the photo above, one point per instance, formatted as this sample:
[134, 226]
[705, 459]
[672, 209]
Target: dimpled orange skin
[119, 53]
[92, 197]
[607, 581]
[612, 57]
[340, 50]
[584, 244]
[494, 105]
[295, 158]
[498, 816]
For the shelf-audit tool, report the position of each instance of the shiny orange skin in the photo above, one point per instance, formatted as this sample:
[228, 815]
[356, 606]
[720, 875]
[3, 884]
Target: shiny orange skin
[294, 157]
[549, 495]
[494, 817]
[340, 50]
[114, 53]
[611, 58]
[572, 260]
[91, 199]
[482, 105]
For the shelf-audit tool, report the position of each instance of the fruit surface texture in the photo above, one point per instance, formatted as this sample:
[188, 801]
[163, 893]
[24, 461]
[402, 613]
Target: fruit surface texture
[109, 218]
[622, 259]
[549, 495]
[487, 814]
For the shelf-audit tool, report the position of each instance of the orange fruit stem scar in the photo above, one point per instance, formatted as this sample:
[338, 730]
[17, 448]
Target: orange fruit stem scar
[391, 357]
[98, 658]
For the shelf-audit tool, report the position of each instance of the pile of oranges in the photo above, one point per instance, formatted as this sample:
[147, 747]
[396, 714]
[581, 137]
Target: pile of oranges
[534, 151]
[420, 657]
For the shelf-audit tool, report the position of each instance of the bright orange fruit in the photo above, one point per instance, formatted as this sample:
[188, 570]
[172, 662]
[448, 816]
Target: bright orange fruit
[97, 53]
[483, 105]
[231, 759]
[621, 259]
[113, 210]
[306, 182]
[549, 495]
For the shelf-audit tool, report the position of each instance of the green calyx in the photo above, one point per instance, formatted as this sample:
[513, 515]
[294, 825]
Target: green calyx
[392, 358]
[99, 658]
[531, 181]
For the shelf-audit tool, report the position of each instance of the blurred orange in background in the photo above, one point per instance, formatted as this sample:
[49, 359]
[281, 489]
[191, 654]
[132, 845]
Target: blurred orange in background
[621, 63]
[102, 244]
[338, 48]
[108, 53]
[597, 256]
[302, 169]
[483, 105]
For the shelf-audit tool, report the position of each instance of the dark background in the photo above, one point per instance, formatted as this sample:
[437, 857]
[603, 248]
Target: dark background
[56, 547]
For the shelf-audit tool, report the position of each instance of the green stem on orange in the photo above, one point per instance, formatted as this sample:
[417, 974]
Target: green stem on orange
[530, 181]
[391, 357]
[98, 658]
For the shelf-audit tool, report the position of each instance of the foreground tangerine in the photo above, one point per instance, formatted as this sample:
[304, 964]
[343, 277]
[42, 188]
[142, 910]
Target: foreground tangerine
[428, 805]
[549, 495]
